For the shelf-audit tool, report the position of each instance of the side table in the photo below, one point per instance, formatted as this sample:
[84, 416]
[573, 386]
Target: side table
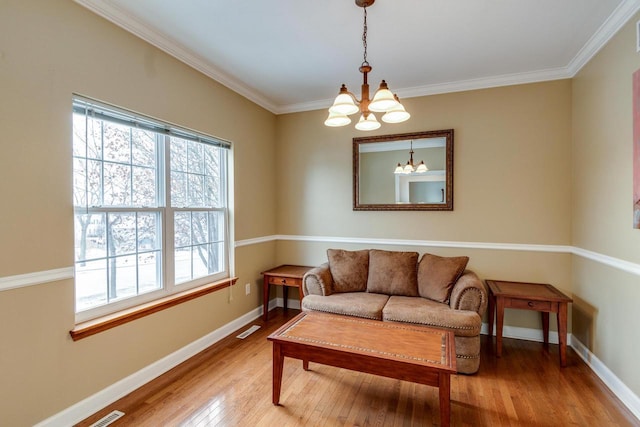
[540, 297]
[285, 276]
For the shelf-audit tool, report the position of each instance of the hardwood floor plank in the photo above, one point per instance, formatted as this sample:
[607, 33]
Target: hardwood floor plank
[229, 384]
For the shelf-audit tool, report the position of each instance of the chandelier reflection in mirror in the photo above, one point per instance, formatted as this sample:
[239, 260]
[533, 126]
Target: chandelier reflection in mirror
[383, 100]
[409, 167]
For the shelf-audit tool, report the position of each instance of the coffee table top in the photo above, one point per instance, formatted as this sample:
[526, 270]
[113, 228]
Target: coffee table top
[416, 344]
[532, 291]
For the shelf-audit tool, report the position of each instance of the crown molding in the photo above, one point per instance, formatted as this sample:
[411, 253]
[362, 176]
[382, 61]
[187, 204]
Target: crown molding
[608, 29]
[139, 29]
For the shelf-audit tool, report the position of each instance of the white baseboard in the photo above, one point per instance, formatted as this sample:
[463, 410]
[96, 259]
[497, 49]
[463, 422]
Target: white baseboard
[96, 402]
[622, 392]
[527, 334]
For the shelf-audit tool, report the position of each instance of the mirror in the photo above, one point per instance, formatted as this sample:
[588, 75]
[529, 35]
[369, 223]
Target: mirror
[382, 181]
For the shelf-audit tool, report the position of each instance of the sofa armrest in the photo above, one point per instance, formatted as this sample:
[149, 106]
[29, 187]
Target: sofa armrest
[318, 281]
[469, 293]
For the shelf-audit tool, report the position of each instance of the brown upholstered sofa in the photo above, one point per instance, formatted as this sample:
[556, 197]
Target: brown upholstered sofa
[394, 286]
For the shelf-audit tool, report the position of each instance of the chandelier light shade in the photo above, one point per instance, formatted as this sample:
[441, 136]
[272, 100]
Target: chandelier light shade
[337, 119]
[384, 101]
[409, 167]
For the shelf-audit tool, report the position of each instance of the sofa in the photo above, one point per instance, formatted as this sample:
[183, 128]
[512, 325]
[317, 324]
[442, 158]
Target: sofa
[395, 286]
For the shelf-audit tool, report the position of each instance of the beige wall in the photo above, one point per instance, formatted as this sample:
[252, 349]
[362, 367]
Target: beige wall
[511, 184]
[511, 173]
[605, 306]
[526, 157]
[49, 50]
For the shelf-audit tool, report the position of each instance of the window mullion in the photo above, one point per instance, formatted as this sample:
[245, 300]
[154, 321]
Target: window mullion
[168, 259]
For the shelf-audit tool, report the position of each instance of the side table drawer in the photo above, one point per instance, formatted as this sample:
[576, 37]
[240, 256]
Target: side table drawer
[284, 281]
[528, 304]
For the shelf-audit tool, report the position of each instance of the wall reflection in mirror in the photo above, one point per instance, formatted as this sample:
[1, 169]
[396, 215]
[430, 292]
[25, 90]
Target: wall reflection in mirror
[411, 171]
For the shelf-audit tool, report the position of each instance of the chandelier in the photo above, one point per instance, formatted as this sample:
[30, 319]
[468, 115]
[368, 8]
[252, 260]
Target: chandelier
[409, 167]
[383, 100]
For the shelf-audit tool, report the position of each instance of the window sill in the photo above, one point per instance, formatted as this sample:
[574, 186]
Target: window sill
[101, 324]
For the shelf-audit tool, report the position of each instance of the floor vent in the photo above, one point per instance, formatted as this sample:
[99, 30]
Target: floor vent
[108, 419]
[248, 332]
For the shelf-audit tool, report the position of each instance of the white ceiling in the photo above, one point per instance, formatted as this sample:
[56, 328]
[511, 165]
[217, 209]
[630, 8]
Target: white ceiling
[292, 55]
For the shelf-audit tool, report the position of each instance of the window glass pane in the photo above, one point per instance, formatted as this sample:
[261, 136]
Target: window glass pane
[149, 232]
[79, 182]
[79, 136]
[182, 229]
[149, 270]
[94, 139]
[178, 153]
[195, 186]
[117, 142]
[200, 223]
[122, 277]
[91, 284]
[182, 264]
[144, 187]
[178, 189]
[216, 221]
[90, 236]
[117, 184]
[143, 147]
[195, 159]
[121, 233]
[201, 258]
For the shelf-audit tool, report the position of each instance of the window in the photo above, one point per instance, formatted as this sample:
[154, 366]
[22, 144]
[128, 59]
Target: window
[150, 208]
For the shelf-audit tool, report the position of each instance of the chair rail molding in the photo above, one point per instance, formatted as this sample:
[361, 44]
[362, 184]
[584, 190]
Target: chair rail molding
[40, 277]
[36, 278]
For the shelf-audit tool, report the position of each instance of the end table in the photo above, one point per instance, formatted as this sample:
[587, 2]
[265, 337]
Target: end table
[285, 276]
[540, 297]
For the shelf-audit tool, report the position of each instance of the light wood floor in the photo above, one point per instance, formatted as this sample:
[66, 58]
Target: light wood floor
[229, 384]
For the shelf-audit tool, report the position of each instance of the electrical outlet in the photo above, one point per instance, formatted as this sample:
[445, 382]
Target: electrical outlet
[247, 289]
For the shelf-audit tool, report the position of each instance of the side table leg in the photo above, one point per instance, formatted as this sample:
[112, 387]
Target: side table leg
[545, 328]
[562, 333]
[278, 361]
[265, 299]
[305, 365]
[492, 312]
[499, 324]
[444, 389]
[285, 294]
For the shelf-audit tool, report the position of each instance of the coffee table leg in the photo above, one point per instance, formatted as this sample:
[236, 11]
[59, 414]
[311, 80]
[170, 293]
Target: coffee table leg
[278, 361]
[444, 388]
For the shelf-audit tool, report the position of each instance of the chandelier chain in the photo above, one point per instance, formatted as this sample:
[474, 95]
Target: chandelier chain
[364, 37]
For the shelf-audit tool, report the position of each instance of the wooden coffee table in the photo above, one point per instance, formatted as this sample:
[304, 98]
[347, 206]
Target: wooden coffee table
[406, 352]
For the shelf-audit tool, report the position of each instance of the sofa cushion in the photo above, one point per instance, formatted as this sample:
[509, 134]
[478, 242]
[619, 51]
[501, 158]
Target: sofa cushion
[358, 304]
[437, 275]
[426, 312]
[349, 269]
[393, 273]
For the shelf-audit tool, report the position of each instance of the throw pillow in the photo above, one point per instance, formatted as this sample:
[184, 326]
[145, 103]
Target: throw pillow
[437, 275]
[349, 269]
[393, 273]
